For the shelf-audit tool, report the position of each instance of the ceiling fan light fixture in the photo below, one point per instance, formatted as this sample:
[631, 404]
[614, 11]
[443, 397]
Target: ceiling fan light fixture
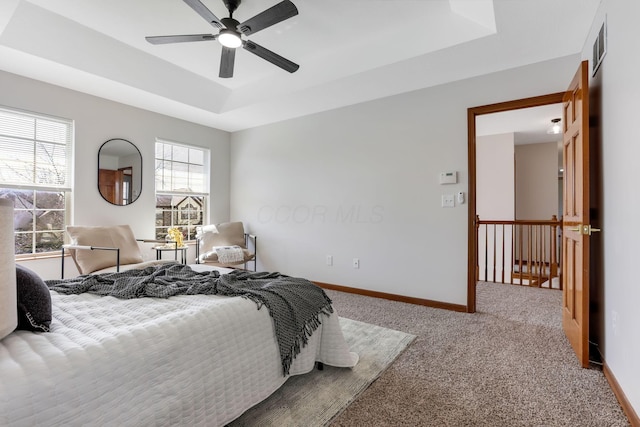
[229, 38]
[555, 128]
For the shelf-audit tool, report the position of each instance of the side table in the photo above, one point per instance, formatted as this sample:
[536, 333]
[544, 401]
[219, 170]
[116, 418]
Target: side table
[168, 248]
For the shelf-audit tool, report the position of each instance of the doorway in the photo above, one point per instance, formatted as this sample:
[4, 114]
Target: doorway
[579, 205]
[473, 114]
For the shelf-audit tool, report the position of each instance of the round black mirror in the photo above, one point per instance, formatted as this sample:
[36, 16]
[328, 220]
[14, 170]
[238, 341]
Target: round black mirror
[119, 172]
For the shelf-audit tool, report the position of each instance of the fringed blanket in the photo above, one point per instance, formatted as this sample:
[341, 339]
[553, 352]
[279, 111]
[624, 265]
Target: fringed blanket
[294, 304]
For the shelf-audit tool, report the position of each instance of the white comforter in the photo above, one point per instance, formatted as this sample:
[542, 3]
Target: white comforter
[183, 361]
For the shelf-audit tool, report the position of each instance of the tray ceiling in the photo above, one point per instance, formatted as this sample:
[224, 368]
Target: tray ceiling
[349, 51]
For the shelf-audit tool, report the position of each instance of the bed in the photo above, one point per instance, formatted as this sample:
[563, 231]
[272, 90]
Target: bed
[188, 360]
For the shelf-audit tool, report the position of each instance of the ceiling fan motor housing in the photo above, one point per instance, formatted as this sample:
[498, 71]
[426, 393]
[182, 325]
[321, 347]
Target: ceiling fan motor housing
[232, 5]
[230, 24]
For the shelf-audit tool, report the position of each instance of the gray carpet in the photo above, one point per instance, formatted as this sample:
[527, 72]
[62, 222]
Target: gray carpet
[315, 398]
[509, 364]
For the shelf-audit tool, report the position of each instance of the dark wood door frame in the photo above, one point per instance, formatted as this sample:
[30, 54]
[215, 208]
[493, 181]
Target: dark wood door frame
[472, 113]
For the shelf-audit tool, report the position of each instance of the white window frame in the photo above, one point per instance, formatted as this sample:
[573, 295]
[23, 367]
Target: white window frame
[196, 189]
[35, 176]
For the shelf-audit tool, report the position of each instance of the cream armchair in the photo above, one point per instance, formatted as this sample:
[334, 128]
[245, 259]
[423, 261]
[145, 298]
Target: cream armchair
[104, 249]
[225, 245]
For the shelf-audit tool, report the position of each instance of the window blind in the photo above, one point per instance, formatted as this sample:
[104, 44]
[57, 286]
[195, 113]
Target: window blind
[35, 151]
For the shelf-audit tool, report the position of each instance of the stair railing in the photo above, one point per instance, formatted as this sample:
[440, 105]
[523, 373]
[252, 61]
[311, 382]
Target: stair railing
[524, 252]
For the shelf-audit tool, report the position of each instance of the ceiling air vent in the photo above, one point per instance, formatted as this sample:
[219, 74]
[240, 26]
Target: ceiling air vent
[599, 47]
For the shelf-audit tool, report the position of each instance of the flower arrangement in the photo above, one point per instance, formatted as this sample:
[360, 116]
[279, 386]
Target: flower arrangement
[174, 234]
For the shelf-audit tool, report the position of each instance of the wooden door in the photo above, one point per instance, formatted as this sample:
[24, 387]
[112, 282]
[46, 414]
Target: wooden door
[110, 185]
[576, 227]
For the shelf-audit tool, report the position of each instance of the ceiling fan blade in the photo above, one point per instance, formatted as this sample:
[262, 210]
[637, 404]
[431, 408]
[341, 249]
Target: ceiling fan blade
[273, 15]
[274, 58]
[203, 11]
[226, 62]
[180, 39]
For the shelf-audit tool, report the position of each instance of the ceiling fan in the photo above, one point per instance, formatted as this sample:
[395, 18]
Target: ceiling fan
[231, 31]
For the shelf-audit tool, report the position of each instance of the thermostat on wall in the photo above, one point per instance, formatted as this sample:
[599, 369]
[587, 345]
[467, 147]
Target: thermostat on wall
[448, 177]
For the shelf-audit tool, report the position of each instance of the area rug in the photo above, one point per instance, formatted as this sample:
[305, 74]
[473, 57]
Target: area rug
[316, 398]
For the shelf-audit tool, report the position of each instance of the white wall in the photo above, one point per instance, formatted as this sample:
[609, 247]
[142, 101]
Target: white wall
[97, 120]
[617, 87]
[362, 181]
[536, 180]
[495, 200]
[495, 180]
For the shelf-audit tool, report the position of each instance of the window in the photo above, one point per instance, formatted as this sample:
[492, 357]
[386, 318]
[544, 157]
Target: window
[182, 177]
[35, 172]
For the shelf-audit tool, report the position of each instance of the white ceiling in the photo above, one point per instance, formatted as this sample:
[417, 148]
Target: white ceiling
[349, 51]
[529, 125]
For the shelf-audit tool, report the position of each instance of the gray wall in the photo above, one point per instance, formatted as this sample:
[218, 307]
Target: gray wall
[362, 182]
[536, 180]
[614, 94]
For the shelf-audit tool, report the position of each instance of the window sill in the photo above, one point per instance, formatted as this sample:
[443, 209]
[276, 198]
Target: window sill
[46, 255]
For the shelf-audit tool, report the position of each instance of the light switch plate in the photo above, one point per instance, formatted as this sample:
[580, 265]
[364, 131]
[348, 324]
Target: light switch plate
[448, 201]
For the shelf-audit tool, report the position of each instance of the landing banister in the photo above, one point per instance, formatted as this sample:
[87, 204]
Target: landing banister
[555, 222]
[524, 251]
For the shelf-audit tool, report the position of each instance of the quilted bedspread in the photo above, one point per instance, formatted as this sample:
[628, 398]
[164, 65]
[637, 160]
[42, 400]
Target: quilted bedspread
[183, 361]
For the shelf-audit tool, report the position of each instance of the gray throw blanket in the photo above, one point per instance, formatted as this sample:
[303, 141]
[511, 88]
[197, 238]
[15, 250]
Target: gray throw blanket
[294, 304]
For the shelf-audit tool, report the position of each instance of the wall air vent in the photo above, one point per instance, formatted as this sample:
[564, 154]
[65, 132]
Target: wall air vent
[599, 47]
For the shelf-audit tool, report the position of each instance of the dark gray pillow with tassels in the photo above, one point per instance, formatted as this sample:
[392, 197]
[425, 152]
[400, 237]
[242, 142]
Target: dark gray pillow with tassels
[34, 301]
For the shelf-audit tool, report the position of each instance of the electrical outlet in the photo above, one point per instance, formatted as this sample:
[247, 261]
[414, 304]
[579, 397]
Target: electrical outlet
[356, 263]
[615, 320]
[329, 260]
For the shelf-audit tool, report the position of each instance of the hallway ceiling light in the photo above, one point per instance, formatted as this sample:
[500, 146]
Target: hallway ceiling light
[555, 127]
